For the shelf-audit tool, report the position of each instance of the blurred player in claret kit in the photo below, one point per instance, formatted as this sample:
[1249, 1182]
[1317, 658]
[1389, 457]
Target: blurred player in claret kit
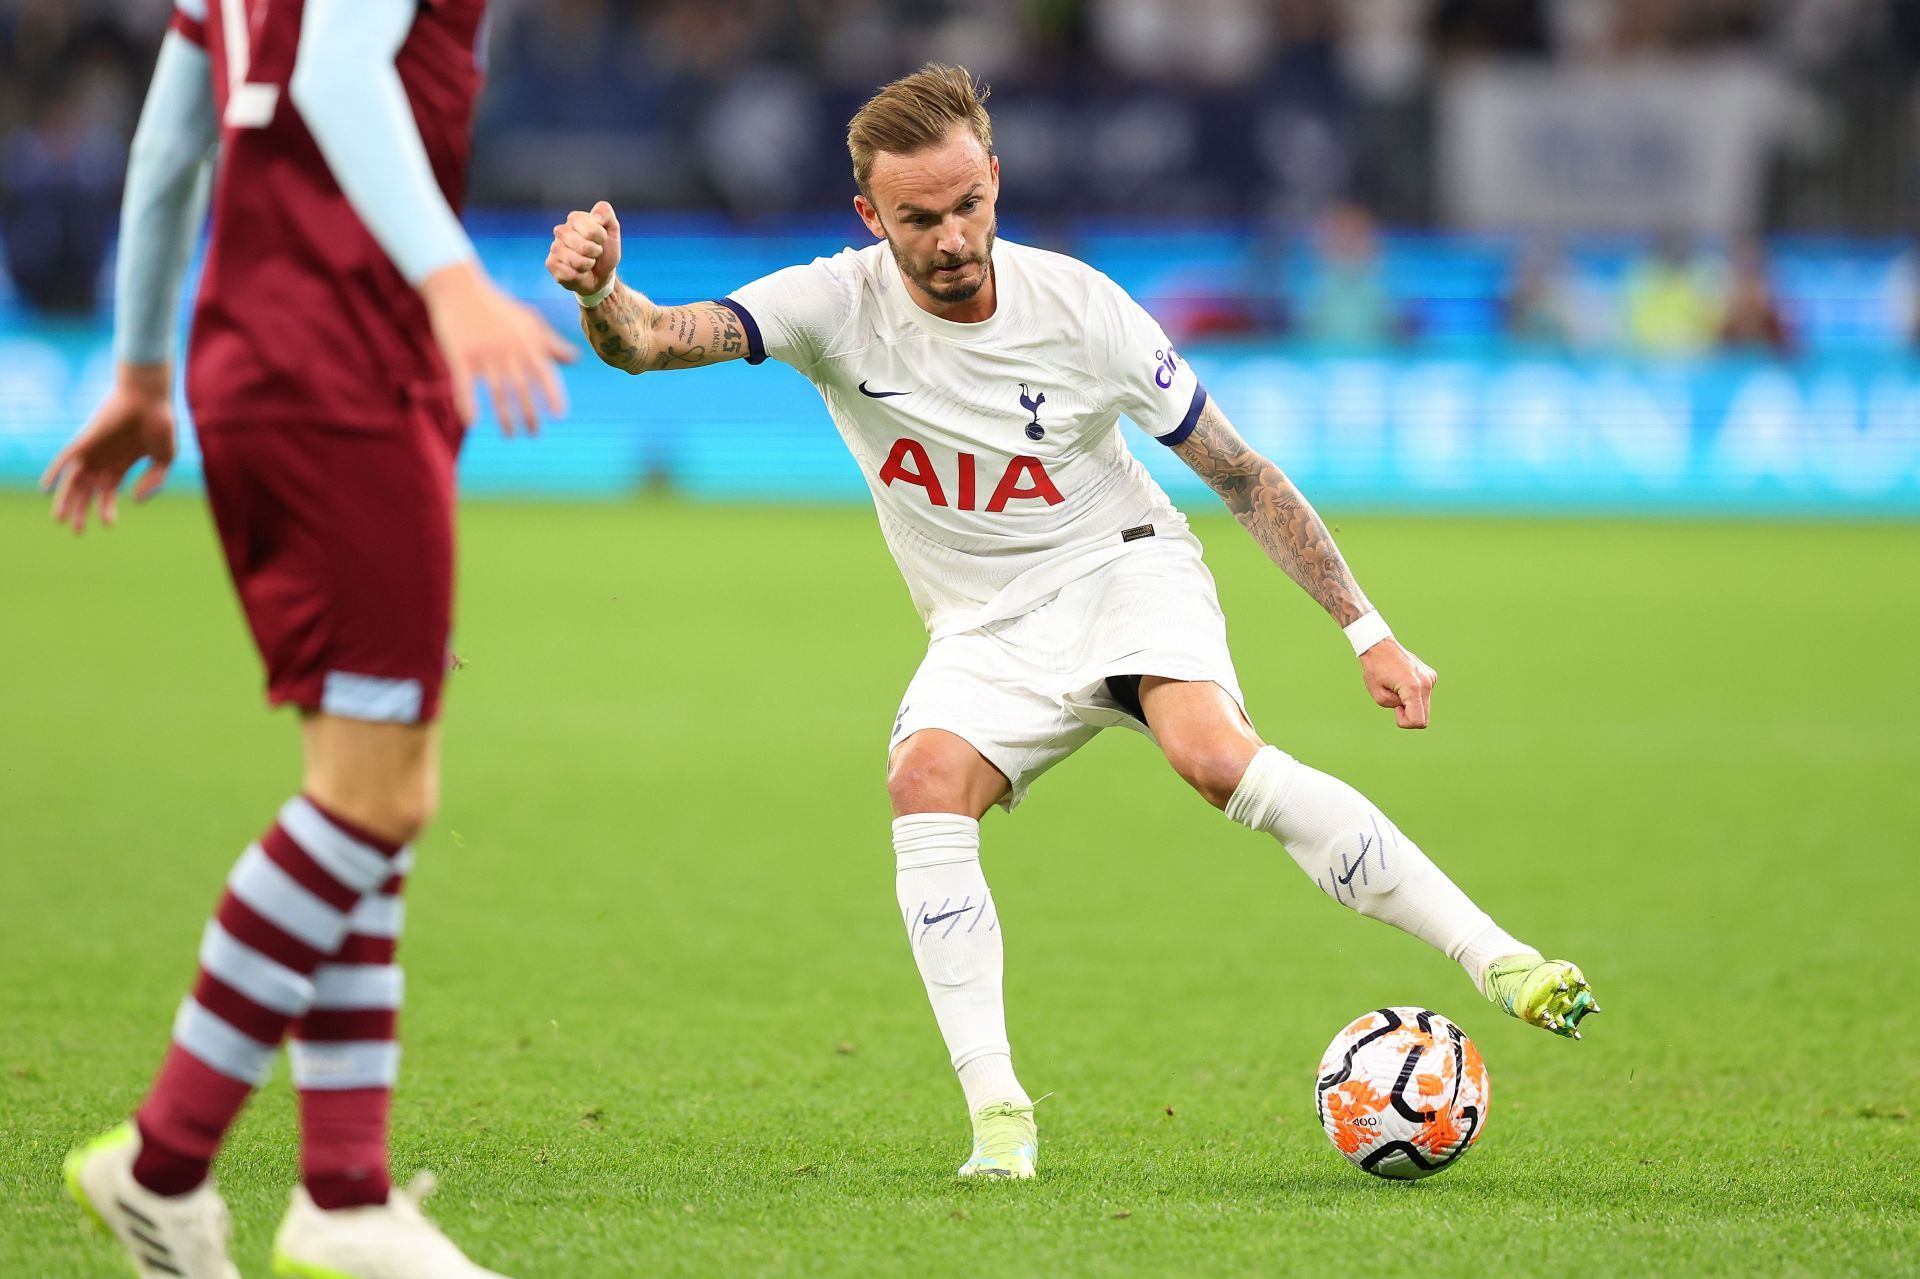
[342, 325]
[979, 386]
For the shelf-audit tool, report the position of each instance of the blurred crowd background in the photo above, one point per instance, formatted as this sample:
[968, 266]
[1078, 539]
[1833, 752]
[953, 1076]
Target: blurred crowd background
[1674, 238]
[1694, 128]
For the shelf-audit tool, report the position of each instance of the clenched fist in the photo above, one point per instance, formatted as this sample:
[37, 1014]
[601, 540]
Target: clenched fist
[1399, 681]
[586, 249]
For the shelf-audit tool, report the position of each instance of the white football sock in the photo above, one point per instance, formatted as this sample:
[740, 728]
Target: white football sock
[954, 930]
[1361, 860]
[990, 1078]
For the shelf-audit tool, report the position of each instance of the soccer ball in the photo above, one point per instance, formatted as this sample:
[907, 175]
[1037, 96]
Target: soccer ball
[1402, 1093]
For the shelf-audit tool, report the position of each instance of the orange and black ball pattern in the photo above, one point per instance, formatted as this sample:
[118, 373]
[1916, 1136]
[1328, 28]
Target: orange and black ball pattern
[1402, 1093]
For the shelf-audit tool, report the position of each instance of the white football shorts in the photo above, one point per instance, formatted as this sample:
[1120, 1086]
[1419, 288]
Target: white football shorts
[1030, 691]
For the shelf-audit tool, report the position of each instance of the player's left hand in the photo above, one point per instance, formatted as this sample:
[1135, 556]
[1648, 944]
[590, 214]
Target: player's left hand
[488, 339]
[134, 422]
[1399, 680]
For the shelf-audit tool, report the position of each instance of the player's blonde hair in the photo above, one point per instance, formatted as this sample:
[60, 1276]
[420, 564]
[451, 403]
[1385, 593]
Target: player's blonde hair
[916, 112]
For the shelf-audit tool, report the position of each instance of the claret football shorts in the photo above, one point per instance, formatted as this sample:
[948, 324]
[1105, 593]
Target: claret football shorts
[340, 542]
[1029, 691]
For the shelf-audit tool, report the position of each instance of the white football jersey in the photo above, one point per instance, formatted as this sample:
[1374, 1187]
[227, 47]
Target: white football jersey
[993, 450]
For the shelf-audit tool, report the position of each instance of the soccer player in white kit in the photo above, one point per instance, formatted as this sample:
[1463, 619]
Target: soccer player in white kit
[980, 384]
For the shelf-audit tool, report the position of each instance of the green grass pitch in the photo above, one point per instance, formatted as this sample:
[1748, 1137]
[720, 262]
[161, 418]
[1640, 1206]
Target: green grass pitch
[661, 1020]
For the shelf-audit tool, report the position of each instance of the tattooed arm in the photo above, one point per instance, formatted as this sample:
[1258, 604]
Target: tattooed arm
[629, 332]
[1293, 535]
[1278, 516]
[626, 329]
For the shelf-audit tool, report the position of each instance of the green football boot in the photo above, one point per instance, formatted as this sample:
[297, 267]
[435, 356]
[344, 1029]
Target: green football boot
[1549, 993]
[1005, 1142]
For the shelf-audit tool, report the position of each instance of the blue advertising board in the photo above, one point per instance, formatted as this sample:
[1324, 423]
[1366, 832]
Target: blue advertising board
[1826, 436]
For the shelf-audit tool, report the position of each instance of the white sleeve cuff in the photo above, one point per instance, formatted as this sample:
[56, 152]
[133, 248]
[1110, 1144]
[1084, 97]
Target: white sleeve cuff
[1365, 631]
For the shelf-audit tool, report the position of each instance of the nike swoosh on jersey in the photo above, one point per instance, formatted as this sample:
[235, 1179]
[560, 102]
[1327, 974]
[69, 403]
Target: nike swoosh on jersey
[880, 395]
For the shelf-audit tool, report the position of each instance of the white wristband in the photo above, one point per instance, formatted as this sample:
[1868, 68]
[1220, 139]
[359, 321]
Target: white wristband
[1365, 631]
[588, 301]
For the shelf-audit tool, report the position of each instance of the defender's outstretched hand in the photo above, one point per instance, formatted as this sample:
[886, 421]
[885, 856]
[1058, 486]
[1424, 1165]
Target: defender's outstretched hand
[586, 250]
[1399, 680]
[134, 422]
[489, 338]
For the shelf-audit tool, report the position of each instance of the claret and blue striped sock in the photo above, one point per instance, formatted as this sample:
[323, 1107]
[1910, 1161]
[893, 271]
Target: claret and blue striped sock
[346, 1054]
[287, 910]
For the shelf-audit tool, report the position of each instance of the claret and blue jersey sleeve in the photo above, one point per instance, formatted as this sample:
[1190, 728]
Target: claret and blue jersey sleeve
[190, 20]
[164, 201]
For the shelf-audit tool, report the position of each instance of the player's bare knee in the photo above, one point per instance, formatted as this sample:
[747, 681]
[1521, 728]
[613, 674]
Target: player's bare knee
[384, 777]
[937, 772]
[1212, 765]
[394, 808]
[920, 782]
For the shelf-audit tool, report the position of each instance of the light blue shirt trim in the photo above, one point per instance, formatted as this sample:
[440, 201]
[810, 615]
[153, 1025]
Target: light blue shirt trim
[165, 201]
[348, 92]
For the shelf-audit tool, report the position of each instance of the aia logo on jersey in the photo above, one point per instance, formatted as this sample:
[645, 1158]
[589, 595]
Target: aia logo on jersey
[1025, 477]
[1169, 361]
[1031, 404]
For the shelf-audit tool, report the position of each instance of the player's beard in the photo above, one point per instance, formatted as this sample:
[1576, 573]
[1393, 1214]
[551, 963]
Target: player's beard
[925, 279]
